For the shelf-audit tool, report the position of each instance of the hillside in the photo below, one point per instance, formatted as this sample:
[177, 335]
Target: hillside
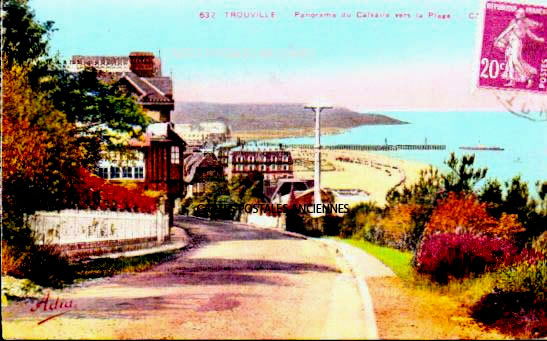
[248, 117]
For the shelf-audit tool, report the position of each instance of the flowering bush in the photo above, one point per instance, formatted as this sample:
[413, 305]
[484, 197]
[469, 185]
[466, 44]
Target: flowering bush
[95, 193]
[459, 255]
[464, 213]
[401, 226]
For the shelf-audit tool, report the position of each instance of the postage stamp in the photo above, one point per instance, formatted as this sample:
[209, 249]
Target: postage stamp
[513, 55]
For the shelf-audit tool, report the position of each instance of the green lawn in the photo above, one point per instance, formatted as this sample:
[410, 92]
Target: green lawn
[466, 290]
[398, 261]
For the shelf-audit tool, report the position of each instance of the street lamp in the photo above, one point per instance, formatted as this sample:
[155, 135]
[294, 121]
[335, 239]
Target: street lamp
[317, 108]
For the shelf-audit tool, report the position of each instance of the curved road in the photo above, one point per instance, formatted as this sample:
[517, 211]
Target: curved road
[233, 281]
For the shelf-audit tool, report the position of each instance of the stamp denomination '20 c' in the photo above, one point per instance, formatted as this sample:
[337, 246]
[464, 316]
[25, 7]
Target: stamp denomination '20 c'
[513, 51]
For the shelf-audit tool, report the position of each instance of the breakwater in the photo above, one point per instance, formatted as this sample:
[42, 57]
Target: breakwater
[370, 147]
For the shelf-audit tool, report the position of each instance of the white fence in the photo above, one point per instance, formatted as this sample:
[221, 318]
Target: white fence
[84, 226]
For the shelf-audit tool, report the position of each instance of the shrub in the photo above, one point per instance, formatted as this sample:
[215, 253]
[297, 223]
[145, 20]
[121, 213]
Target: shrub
[20, 288]
[94, 193]
[514, 313]
[327, 225]
[362, 216]
[367, 228]
[11, 261]
[517, 304]
[42, 264]
[540, 243]
[402, 226]
[465, 213]
[527, 276]
[46, 266]
[460, 255]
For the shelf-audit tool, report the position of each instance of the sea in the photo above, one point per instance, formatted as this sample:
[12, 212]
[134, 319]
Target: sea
[524, 141]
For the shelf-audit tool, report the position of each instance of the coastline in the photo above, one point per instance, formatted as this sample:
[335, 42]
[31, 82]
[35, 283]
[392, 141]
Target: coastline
[373, 173]
[265, 134]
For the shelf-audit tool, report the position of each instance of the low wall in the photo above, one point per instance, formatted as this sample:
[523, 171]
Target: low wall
[86, 232]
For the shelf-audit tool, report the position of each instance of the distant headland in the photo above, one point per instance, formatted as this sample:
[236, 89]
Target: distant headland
[274, 120]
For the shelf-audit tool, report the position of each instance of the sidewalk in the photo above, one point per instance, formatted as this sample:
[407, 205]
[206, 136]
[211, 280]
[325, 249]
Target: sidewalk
[362, 266]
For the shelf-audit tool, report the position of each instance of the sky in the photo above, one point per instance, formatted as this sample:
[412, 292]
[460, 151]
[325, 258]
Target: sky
[361, 63]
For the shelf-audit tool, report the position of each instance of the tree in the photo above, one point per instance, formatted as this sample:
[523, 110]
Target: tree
[462, 175]
[425, 191]
[41, 150]
[529, 211]
[100, 109]
[24, 40]
[492, 194]
[214, 202]
[244, 188]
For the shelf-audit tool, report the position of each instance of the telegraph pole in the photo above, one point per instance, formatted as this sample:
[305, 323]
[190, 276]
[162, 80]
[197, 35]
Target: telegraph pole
[317, 108]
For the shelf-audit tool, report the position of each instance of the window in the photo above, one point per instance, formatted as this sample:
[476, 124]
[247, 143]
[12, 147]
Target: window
[251, 158]
[127, 172]
[253, 167]
[262, 167]
[103, 172]
[285, 167]
[273, 167]
[139, 172]
[175, 155]
[114, 172]
[285, 158]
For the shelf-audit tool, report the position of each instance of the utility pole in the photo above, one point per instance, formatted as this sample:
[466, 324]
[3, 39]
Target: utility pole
[317, 108]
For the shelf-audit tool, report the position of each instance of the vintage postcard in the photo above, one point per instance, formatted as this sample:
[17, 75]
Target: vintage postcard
[221, 169]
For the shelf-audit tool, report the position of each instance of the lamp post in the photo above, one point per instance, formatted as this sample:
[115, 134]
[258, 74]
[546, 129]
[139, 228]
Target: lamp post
[317, 108]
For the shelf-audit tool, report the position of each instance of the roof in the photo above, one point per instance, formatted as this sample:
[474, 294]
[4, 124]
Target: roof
[198, 160]
[164, 84]
[257, 148]
[151, 89]
[141, 53]
[157, 129]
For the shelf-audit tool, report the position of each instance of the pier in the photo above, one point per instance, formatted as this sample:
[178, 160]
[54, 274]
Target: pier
[368, 147]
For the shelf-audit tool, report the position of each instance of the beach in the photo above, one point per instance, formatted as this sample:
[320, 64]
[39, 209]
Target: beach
[261, 134]
[373, 173]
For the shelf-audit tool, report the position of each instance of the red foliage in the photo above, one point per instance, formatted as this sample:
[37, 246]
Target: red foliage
[529, 256]
[465, 213]
[458, 255]
[95, 193]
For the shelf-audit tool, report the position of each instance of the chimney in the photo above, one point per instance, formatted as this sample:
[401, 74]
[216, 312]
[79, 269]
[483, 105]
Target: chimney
[143, 64]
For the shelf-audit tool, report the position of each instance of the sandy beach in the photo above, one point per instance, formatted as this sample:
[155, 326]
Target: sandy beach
[373, 173]
[258, 134]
